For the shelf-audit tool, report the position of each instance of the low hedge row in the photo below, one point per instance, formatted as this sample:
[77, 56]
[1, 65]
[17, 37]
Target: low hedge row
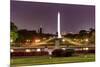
[63, 53]
[55, 53]
[29, 53]
[85, 51]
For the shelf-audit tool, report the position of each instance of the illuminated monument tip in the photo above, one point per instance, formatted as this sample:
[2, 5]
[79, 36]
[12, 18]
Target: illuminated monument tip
[58, 22]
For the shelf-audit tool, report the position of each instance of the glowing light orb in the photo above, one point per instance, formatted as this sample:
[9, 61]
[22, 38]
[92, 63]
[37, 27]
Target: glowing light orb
[27, 50]
[12, 50]
[63, 40]
[38, 50]
[37, 40]
[85, 48]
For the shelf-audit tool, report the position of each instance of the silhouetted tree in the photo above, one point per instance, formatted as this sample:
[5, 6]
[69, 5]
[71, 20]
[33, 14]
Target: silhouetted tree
[83, 34]
[13, 27]
[13, 32]
[92, 36]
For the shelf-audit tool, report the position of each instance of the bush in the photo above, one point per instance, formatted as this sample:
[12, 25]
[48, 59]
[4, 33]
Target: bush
[34, 53]
[57, 53]
[68, 52]
[63, 53]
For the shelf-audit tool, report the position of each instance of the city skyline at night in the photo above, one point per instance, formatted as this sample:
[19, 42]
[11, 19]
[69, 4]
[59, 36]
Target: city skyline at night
[31, 15]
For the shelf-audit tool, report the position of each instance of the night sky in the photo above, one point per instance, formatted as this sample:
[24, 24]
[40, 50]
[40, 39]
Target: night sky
[32, 15]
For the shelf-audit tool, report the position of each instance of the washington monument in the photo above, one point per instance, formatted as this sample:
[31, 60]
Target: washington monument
[58, 39]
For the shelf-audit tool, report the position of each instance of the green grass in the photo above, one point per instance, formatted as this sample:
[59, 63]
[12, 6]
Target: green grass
[40, 60]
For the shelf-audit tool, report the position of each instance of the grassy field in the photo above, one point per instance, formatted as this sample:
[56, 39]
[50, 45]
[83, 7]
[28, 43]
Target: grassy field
[40, 60]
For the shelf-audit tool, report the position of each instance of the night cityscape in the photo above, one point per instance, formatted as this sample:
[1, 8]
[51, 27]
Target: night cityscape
[52, 31]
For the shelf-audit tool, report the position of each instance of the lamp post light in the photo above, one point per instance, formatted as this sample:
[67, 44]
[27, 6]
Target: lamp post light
[63, 40]
[27, 50]
[11, 40]
[12, 50]
[38, 50]
[63, 48]
[86, 49]
[87, 41]
[37, 40]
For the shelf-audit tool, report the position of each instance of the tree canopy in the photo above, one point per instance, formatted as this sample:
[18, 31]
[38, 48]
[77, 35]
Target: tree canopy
[13, 32]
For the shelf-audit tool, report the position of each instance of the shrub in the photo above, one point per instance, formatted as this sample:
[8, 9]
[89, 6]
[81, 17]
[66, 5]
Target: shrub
[63, 53]
[34, 53]
[68, 52]
[57, 53]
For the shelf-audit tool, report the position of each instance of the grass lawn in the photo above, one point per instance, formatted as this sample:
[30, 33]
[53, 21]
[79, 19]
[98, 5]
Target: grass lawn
[40, 60]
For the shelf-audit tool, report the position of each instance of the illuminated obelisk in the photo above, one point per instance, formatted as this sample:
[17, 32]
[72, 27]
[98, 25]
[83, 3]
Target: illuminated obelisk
[58, 39]
[58, 25]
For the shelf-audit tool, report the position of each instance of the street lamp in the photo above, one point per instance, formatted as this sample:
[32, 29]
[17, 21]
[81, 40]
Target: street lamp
[63, 48]
[63, 40]
[38, 50]
[12, 50]
[86, 40]
[86, 48]
[37, 40]
[27, 50]
[11, 40]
